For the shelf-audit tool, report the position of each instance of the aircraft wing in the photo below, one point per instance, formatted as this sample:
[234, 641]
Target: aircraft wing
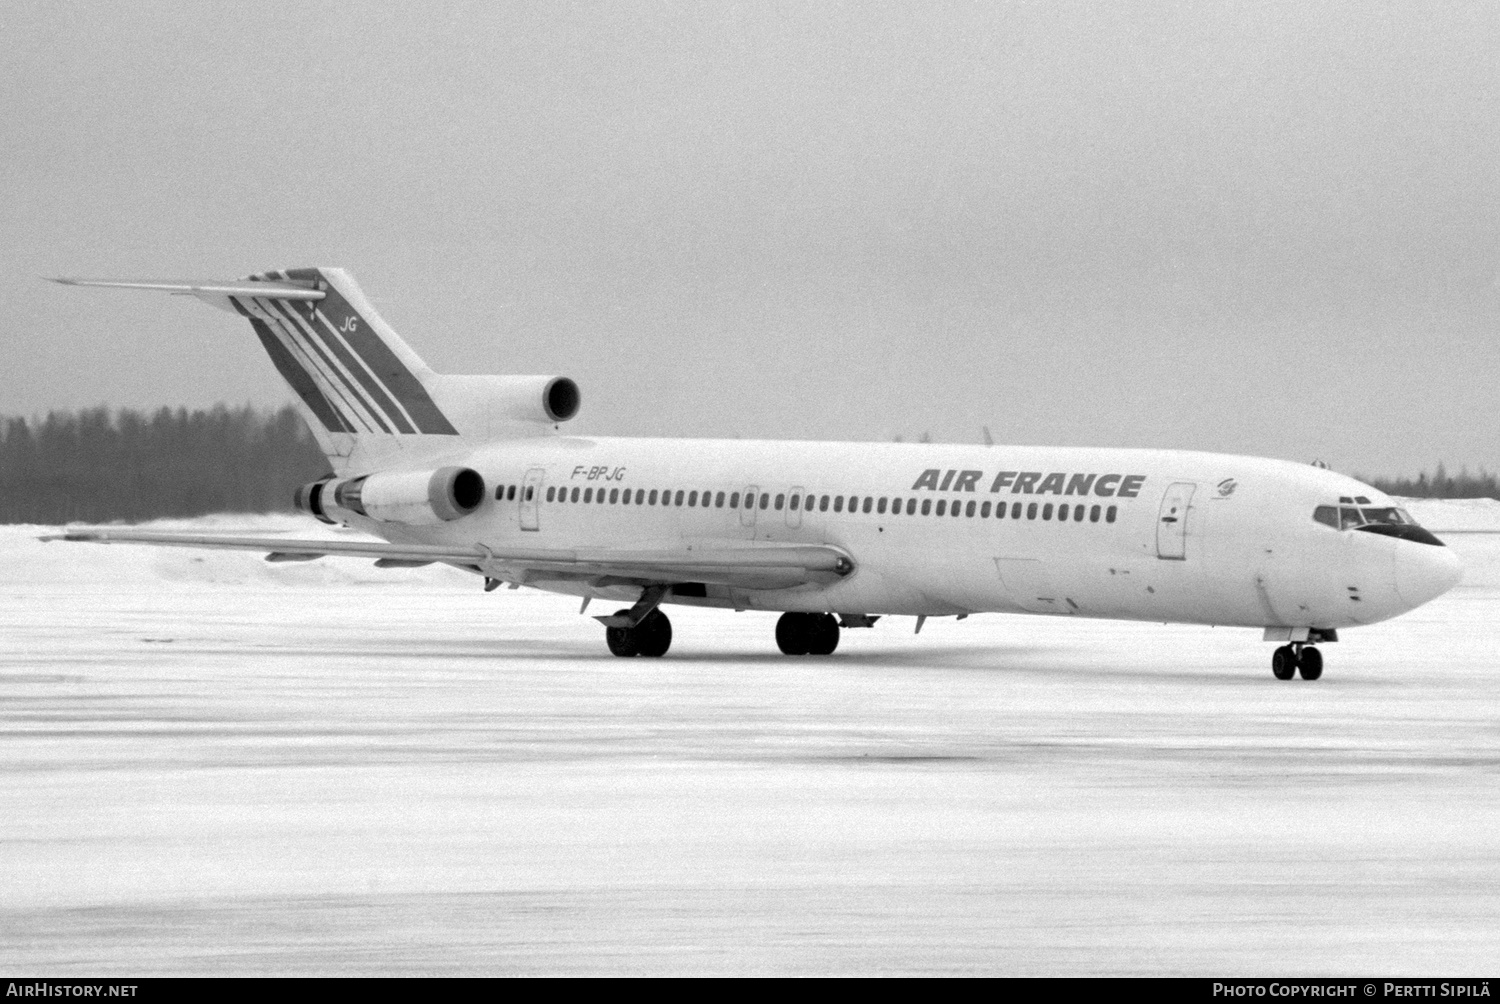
[764, 566]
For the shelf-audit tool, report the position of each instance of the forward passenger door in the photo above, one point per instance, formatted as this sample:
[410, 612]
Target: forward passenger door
[1171, 523]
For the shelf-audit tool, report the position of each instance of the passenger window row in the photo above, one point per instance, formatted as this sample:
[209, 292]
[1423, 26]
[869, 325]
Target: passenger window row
[970, 508]
[617, 496]
[956, 507]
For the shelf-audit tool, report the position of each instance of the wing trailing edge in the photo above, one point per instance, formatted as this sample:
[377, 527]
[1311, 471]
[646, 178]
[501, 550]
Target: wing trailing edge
[769, 566]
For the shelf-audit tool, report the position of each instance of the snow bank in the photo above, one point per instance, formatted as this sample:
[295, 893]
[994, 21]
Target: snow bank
[1455, 514]
[25, 560]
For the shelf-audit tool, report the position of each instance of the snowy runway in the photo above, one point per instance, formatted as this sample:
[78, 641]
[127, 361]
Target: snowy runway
[215, 765]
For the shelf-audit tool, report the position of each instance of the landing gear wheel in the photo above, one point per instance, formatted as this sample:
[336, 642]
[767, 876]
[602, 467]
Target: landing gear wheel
[651, 637]
[822, 635]
[792, 634]
[807, 634]
[622, 641]
[1284, 662]
[655, 634]
[1310, 663]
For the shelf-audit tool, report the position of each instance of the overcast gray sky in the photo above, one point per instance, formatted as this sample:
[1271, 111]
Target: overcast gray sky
[1257, 228]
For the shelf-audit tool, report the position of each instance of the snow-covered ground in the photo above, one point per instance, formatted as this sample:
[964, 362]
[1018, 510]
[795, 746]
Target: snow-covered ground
[216, 765]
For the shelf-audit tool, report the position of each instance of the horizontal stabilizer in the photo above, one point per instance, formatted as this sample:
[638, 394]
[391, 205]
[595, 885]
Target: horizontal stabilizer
[208, 287]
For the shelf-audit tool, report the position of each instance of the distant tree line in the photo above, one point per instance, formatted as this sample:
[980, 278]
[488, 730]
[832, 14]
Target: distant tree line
[1441, 485]
[97, 465]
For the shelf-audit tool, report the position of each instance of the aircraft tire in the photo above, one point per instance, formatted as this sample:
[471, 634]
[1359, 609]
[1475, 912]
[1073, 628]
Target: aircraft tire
[1284, 663]
[623, 641]
[793, 634]
[1310, 663]
[655, 635]
[823, 634]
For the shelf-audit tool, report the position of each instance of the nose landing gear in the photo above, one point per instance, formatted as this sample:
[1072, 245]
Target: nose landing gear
[1310, 663]
[1288, 660]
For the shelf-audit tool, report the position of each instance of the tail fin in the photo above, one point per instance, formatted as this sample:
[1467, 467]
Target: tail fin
[361, 389]
[366, 396]
[352, 372]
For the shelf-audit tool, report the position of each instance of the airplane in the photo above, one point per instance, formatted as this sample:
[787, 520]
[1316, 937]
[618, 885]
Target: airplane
[478, 473]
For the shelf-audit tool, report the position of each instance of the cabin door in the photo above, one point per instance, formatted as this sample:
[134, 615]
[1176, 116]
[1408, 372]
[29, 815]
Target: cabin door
[1171, 522]
[747, 509]
[531, 498]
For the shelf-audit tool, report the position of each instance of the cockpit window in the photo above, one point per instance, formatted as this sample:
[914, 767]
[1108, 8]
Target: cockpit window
[1387, 521]
[1350, 518]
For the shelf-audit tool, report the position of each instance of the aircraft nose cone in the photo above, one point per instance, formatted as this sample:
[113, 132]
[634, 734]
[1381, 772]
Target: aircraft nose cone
[1424, 573]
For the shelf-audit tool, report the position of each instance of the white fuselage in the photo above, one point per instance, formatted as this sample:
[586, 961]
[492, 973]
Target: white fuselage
[474, 471]
[1195, 537]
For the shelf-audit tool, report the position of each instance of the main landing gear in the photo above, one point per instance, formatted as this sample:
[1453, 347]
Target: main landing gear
[641, 629]
[631, 632]
[1288, 660]
[807, 634]
[651, 636]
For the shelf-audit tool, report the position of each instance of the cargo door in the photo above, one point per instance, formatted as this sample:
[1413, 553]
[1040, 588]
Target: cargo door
[1171, 523]
[531, 498]
[1029, 586]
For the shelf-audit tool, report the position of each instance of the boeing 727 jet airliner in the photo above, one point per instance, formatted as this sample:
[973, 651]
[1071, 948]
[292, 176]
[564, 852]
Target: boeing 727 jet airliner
[476, 472]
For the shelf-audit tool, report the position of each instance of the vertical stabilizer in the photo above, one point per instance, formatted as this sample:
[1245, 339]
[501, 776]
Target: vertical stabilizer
[362, 389]
[367, 397]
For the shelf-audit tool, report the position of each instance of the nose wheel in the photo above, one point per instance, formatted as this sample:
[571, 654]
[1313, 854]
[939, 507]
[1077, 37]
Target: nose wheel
[1289, 660]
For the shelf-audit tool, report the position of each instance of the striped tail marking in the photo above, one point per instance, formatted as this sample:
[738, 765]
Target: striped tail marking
[337, 363]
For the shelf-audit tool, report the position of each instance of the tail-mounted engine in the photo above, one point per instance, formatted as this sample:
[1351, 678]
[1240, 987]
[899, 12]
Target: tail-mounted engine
[413, 497]
[560, 398]
[506, 406]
